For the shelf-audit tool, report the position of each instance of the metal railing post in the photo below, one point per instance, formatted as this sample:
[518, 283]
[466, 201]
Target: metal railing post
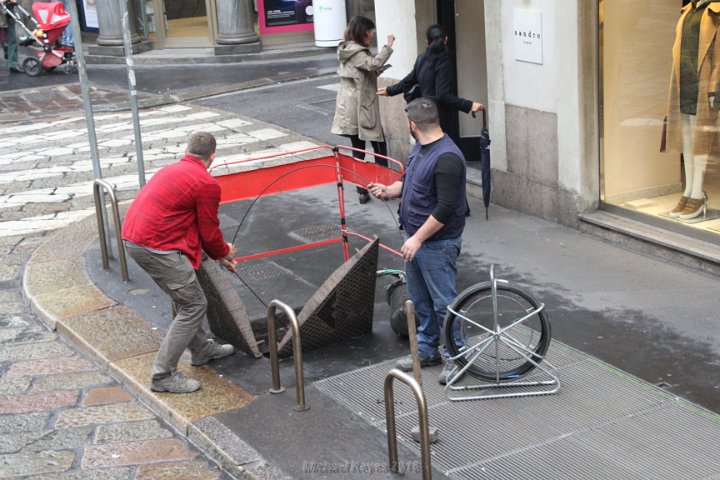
[422, 417]
[297, 353]
[99, 203]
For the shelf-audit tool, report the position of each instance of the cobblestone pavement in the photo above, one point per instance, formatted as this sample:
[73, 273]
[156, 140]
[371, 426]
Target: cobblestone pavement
[61, 416]
[38, 102]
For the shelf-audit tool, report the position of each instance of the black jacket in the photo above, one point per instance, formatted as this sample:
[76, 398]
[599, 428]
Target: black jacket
[436, 82]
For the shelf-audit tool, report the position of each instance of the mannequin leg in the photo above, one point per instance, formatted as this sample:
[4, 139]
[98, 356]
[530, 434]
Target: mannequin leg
[688, 125]
[695, 165]
[699, 164]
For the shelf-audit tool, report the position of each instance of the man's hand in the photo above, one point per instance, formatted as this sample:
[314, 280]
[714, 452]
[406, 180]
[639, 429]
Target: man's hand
[378, 190]
[382, 92]
[410, 248]
[228, 261]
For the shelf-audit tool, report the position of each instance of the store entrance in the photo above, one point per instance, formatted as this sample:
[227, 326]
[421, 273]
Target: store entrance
[179, 23]
[464, 21]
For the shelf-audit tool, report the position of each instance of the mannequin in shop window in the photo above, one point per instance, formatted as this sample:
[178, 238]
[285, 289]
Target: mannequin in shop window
[692, 104]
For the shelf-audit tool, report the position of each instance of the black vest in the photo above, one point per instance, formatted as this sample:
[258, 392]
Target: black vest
[419, 197]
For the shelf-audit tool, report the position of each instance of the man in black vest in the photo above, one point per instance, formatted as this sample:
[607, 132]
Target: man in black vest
[432, 215]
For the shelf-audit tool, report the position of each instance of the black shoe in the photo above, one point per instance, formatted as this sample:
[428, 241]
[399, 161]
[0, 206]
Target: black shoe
[16, 70]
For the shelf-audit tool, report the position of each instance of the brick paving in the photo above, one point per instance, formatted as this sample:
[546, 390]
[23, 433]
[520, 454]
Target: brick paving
[62, 417]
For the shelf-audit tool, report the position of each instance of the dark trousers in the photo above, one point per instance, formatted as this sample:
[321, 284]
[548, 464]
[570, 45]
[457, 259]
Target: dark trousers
[378, 147]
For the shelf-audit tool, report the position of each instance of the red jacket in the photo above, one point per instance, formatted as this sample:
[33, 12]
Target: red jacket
[178, 210]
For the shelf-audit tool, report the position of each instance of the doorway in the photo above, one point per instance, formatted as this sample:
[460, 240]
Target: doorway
[180, 23]
[464, 21]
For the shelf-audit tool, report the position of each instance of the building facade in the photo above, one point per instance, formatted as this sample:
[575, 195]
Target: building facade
[582, 115]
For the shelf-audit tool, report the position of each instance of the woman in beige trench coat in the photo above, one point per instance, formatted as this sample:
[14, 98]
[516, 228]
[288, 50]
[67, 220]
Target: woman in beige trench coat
[357, 111]
[693, 126]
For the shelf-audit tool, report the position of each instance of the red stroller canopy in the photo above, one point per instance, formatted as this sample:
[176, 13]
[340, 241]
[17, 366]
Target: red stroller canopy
[51, 15]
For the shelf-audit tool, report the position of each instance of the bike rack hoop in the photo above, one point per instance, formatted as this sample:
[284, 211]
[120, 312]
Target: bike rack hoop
[297, 353]
[422, 417]
[110, 190]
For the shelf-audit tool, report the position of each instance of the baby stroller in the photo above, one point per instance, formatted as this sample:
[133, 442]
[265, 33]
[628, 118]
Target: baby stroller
[49, 54]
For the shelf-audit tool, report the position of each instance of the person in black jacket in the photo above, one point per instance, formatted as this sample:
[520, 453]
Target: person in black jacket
[433, 73]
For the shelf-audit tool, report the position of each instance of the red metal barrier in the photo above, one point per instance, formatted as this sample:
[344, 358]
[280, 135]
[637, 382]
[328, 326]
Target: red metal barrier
[335, 168]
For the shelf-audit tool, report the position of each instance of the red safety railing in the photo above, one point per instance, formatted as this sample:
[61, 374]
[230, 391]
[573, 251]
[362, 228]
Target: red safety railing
[335, 168]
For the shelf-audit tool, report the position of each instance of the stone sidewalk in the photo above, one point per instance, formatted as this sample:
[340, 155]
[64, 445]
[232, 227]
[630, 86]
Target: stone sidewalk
[62, 416]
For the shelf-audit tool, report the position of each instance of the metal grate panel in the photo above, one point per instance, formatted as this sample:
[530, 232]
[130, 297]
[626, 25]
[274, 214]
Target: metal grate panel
[342, 307]
[263, 271]
[602, 424]
[316, 233]
[226, 312]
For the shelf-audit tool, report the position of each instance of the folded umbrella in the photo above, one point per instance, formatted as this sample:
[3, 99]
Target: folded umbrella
[485, 163]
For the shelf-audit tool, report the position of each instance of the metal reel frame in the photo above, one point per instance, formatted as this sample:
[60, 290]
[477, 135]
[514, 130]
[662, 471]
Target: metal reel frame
[548, 384]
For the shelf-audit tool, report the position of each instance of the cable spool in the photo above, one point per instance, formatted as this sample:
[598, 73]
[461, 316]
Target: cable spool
[397, 295]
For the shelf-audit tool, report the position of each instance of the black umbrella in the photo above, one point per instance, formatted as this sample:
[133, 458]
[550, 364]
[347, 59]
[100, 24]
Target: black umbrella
[485, 162]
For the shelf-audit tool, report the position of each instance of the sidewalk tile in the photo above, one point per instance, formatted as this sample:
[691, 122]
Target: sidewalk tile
[37, 402]
[35, 463]
[71, 381]
[131, 432]
[134, 453]
[119, 412]
[49, 366]
[184, 470]
[216, 395]
[34, 351]
[69, 302]
[112, 333]
[24, 421]
[106, 396]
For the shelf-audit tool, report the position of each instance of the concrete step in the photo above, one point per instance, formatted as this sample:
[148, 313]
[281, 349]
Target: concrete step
[656, 240]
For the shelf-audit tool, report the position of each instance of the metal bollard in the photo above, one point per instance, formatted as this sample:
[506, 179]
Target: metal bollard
[297, 353]
[422, 416]
[97, 183]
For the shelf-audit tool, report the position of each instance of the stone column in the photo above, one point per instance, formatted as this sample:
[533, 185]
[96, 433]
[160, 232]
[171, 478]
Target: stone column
[235, 24]
[109, 21]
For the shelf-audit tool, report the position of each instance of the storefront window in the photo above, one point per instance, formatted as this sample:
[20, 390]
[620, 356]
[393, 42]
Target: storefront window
[660, 141]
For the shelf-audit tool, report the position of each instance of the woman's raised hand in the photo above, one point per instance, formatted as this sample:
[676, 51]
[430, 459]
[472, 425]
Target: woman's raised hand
[390, 40]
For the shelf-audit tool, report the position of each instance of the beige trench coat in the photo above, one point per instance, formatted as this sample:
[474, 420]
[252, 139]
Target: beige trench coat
[357, 111]
[705, 137]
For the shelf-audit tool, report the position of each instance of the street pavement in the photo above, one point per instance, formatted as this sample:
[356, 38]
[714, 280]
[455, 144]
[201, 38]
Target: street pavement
[61, 415]
[60, 403]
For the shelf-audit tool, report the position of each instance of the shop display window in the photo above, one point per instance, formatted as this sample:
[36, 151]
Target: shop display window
[660, 109]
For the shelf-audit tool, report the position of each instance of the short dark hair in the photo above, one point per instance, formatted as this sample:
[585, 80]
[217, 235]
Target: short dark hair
[423, 112]
[202, 144]
[357, 28]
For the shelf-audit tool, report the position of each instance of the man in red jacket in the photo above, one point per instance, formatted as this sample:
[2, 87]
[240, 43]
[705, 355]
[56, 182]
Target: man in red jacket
[172, 220]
